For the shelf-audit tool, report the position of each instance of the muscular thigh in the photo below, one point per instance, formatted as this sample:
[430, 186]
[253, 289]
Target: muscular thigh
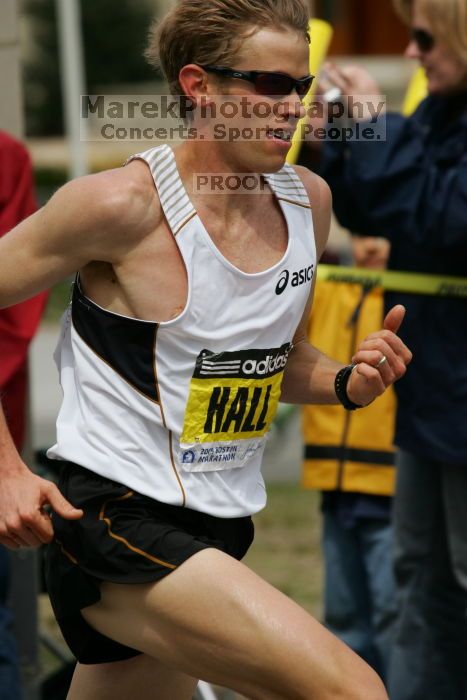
[214, 619]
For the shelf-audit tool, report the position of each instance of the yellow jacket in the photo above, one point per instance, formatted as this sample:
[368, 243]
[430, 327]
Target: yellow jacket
[348, 450]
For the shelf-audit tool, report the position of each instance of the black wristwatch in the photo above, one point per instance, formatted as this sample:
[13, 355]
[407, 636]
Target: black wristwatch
[340, 387]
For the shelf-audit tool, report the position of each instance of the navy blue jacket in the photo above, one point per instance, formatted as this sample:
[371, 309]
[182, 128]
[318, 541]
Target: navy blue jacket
[412, 189]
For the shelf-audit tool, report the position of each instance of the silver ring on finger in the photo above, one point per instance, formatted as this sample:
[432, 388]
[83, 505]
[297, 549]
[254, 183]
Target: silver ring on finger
[382, 362]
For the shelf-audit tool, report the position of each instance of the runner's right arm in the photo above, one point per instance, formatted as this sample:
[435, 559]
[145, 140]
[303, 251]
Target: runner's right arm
[99, 217]
[23, 495]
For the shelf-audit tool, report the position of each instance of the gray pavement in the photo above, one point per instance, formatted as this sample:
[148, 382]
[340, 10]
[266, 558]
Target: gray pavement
[282, 458]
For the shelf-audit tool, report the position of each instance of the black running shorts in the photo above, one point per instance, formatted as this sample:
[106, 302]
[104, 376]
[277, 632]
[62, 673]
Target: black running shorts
[123, 537]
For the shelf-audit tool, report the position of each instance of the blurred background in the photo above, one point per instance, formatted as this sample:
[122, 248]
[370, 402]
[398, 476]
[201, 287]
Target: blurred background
[112, 37]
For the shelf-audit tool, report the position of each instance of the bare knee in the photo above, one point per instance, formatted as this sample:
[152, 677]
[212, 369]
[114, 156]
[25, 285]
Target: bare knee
[337, 677]
[363, 684]
[373, 690]
[370, 689]
[347, 677]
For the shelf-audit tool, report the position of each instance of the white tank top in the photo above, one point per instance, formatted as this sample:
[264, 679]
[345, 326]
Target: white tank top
[180, 410]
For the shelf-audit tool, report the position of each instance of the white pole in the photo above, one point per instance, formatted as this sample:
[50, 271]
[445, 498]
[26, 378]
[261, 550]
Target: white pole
[73, 81]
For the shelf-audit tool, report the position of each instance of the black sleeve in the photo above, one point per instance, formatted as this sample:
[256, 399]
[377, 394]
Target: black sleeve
[399, 187]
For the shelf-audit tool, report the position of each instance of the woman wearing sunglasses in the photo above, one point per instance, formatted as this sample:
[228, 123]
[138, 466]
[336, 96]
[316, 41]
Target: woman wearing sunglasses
[412, 189]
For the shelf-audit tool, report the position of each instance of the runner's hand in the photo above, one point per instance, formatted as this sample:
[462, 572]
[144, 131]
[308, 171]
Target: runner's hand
[24, 522]
[372, 374]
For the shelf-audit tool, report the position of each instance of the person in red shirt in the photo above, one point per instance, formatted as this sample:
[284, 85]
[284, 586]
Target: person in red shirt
[17, 327]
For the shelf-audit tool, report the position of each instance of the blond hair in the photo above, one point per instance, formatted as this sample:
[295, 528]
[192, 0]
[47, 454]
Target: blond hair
[212, 31]
[448, 20]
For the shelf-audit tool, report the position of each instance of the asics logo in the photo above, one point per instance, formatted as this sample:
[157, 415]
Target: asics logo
[283, 282]
[296, 279]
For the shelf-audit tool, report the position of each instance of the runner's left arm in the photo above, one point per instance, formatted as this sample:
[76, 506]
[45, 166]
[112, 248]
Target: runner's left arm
[310, 374]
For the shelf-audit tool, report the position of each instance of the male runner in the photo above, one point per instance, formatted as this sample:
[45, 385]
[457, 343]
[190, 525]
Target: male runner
[187, 324]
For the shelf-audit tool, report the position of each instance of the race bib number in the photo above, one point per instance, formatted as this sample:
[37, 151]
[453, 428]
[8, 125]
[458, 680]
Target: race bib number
[232, 402]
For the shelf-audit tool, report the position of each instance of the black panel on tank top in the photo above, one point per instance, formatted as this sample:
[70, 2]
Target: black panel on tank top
[125, 344]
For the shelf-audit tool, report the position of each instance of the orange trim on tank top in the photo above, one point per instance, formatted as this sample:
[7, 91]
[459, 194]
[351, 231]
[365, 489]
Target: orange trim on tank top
[174, 467]
[291, 201]
[184, 223]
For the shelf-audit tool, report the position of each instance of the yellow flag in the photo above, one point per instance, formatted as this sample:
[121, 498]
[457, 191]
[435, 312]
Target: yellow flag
[416, 92]
[321, 34]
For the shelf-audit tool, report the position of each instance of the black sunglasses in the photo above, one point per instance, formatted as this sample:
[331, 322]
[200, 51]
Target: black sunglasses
[267, 83]
[424, 40]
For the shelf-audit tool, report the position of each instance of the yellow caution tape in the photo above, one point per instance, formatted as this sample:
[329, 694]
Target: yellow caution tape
[408, 282]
